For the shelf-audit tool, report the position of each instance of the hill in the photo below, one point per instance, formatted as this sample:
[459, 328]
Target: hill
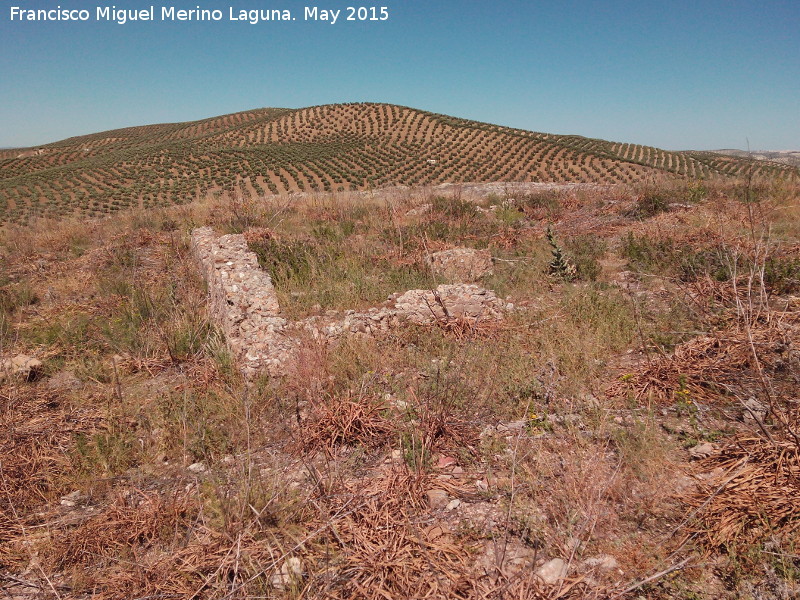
[787, 157]
[531, 391]
[327, 148]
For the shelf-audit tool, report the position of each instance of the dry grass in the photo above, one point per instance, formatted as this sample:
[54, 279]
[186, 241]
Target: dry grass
[314, 485]
[749, 494]
[345, 421]
[385, 548]
[714, 368]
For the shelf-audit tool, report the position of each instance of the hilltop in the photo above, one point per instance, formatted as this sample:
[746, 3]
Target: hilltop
[338, 147]
[488, 391]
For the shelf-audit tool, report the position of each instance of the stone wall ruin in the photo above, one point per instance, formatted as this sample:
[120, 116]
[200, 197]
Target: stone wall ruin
[243, 303]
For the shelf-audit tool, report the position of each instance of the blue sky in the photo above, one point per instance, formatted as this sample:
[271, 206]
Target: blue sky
[678, 75]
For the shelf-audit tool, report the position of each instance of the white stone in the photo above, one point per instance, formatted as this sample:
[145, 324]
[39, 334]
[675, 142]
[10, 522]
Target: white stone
[291, 572]
[73, 498]
[22, 366]
[603, 562]
[553, 571]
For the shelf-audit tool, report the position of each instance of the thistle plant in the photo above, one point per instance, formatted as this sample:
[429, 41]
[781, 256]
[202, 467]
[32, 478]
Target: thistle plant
[561, 266]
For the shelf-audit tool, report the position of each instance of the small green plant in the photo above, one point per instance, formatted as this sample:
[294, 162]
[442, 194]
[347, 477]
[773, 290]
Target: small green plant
[684, 404]
[416, 454]
[696, 191]
[537, 423]
[586, 252]
[650, 202]
[561, 266]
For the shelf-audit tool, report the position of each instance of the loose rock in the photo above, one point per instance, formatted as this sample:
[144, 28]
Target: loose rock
[73, 499]
[701, 450]
[437, 498]
[64, 381]
[291, 571]
[21, 366]
[604, 562]
[552, 571]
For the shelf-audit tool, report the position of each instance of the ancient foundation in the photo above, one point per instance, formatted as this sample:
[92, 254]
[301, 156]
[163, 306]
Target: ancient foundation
[243, 303]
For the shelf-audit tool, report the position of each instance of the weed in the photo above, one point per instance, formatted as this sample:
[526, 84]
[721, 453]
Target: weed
[105, 453]
[650, 202]
[561, 266]
[13, 297]
[453, 208]
[197, 426]
[647, 254]
[586, 252]
[545, 205]
[685, 261]
[782, 274]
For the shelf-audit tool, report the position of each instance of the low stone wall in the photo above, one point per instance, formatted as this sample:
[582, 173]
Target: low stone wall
[242, 301]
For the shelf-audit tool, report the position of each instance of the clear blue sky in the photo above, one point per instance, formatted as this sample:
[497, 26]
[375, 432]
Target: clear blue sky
[704, 74]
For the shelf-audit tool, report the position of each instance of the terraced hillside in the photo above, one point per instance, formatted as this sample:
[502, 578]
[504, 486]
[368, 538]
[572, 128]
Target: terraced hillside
[327, 148]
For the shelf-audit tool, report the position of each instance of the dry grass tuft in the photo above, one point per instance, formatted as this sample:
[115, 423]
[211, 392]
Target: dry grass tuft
[385, 547]
[345, 420]
[133, 522]
[468, 328]
[750, 494]
[32, 458]
[715, 367]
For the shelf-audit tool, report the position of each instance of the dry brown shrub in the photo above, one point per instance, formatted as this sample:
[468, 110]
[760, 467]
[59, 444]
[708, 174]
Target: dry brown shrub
[255, 235]
[714, 367]
[134, 522]
[438, 424]
[345, 420]
[749, 494]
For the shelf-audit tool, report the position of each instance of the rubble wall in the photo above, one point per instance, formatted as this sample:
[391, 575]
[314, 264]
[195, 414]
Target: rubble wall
[243, 303]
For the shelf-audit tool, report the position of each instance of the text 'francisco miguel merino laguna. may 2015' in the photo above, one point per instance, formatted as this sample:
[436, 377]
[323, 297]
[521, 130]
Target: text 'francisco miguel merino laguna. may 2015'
[122, 16]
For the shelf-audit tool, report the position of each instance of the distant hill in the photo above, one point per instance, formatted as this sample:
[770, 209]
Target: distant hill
[327, 148]
[786, 157]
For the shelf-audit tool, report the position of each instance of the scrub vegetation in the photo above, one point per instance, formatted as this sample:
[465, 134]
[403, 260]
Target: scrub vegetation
[628, 430]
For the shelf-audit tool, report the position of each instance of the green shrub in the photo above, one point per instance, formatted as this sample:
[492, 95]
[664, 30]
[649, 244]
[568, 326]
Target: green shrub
[453, 208]
[694, 263]
[647, 254]
[782, 274]
[544, 204]
[586, 252]
[651, 201]
[561, 265]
